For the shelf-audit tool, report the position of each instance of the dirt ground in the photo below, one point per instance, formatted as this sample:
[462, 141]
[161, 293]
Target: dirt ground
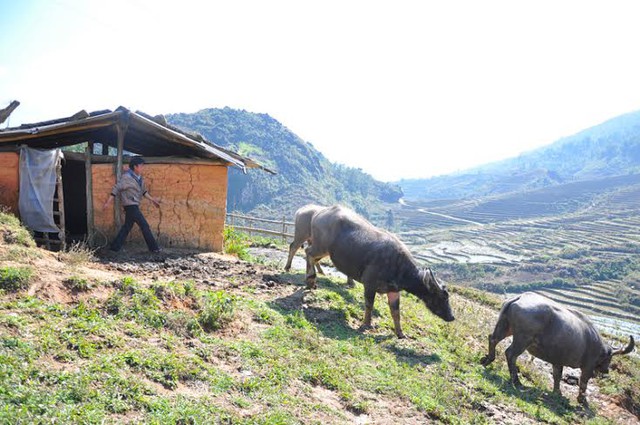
[220, 271]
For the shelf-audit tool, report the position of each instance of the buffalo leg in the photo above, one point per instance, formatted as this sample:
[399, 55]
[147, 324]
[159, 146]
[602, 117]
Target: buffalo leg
[311, 270]
[491, 356]
[557, 376]
[584, 379]
[501, 331]
[369, 299]
[293, 247]
[394, 306]
[516, 348]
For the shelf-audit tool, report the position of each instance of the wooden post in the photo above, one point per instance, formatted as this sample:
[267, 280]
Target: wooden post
[62, 234]
[121, 129]
[284, 229]
[89, 193]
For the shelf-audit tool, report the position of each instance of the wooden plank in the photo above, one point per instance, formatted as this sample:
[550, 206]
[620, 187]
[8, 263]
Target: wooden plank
[44, 239]
[102, 159]
[266, 231]
[261, 220]
[89, 193]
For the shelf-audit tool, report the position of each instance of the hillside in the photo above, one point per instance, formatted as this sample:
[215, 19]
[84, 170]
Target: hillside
[304, 175]
[609, 149]
[207, 338]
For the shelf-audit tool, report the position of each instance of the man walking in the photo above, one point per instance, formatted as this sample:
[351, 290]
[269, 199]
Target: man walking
[131, 189]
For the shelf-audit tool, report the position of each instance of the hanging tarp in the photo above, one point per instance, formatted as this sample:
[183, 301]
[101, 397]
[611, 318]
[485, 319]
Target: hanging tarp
[37, 188]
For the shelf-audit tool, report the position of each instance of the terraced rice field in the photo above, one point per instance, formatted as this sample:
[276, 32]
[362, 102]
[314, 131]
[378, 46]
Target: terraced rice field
[589, 240]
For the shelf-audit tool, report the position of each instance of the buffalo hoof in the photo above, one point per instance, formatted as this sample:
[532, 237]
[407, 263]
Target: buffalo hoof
[311, 284]
[365, 327]
[486, 360]
[401, 336]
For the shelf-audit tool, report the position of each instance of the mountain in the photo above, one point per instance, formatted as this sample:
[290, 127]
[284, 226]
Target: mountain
[304, 175]
[606, 150]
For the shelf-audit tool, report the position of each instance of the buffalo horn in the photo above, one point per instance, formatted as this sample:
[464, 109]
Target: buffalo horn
[626, 350]
[426, 279]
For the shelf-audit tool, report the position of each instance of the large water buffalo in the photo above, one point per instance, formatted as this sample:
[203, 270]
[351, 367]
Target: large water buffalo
[554, 333]
[376, 258]
[302, 234]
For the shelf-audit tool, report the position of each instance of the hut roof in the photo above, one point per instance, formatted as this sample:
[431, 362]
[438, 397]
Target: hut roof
[145, 135]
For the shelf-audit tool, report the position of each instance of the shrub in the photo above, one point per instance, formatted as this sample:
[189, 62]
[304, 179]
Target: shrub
[218, 309]
[12, 230]
[15, 278]
[236, 243]
[78, 254]
[77, 284]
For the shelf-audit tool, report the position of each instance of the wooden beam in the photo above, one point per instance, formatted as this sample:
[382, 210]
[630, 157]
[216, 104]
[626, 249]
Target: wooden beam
[89, 193]
[102, 159]
[121, 131]
[4, 113]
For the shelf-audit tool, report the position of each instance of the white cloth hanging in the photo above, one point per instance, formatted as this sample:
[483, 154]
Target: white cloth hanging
[37, 188]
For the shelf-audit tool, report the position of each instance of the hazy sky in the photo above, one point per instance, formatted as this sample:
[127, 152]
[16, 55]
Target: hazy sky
[401, 89]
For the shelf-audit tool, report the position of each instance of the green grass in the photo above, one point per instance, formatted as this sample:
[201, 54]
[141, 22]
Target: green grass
[173, 352]
[12, 231]
[236, 243]
[78, 284]
[14, 279]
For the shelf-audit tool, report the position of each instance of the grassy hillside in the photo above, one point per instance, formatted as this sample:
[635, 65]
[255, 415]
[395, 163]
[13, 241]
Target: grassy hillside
[304, 174]
[608, 149]
[207, 338]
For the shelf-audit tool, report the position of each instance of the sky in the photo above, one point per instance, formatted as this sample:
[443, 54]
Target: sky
[400, 89]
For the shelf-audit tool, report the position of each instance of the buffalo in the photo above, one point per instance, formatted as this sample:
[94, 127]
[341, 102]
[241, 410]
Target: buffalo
[376, 258]
[556, 334]
[302, 234]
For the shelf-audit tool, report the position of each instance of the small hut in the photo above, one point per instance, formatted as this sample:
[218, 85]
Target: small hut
[185, 171]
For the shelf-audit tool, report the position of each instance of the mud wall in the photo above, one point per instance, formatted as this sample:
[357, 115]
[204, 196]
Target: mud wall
[9, 180]
[193, 208]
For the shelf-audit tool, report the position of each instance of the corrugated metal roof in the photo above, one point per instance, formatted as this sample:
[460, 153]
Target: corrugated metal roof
[143, 136]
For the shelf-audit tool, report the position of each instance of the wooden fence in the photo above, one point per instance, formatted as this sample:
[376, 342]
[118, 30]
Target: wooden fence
[251, 225]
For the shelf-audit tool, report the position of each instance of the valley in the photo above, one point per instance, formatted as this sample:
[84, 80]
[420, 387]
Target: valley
[576, 243]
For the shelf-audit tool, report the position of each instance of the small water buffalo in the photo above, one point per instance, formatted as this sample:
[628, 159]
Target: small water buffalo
[554, 333]
[302, 234]
[376, 258]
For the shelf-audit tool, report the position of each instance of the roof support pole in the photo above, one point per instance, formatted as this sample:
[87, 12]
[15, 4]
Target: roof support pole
[121, 130]
[89, 193]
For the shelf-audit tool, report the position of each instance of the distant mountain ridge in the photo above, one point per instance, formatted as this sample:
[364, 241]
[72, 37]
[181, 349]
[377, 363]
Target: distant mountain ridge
[605, 150]
[303, 176]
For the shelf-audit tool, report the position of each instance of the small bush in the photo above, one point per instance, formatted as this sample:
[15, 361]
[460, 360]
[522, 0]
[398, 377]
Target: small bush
[78, 254]
[15, 278]
[77, 284]
[236, 243]
[217, 311]
[13, 232]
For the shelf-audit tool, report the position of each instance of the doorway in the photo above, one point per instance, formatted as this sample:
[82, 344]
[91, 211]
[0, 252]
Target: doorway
[74, 185]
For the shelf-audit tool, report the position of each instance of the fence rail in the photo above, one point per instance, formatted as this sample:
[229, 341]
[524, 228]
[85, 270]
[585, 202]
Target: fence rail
[264, 226]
